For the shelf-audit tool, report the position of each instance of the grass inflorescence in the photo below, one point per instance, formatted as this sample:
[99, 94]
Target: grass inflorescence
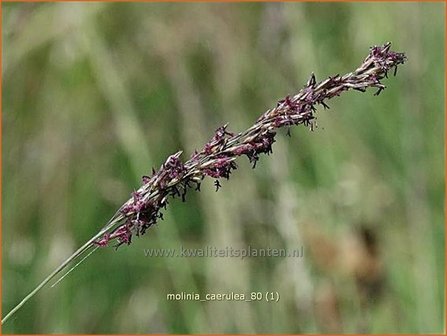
[217, 157]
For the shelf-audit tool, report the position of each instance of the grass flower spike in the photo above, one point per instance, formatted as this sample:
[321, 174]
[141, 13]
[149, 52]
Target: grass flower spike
[217, 158]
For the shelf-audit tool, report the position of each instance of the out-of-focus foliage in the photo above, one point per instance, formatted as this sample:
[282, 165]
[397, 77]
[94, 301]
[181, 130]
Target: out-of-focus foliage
[94, 95]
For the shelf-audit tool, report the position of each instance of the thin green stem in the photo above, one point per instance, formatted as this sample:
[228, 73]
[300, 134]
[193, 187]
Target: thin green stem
[84, 248]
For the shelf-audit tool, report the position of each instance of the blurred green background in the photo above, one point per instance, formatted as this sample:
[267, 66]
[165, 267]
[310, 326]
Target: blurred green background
[94, 95]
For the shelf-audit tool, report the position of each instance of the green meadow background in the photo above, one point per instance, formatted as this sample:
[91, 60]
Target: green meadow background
[95, 94]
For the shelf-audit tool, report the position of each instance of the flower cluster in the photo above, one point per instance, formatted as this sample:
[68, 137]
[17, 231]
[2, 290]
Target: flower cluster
[217, 158]
[143, 209]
